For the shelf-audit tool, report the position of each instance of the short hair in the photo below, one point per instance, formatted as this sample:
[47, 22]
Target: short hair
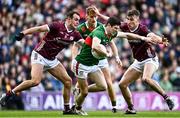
[90, 11]
[113, 21]
[71, 13]
[133, 12]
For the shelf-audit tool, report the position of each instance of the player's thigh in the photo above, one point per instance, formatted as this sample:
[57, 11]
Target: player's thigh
[83, 85]
[107, 74]
[60, 73]
[149, 70]
[37, 71]
[150, 67]
[129, 76]
[98, 78]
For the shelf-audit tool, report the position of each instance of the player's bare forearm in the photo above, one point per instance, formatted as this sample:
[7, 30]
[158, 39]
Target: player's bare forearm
[99, 14]
[114, 49]
[157, 38]
[43, 28]
[130, 36]
[103, 17]
[74, 50]
[100, 51]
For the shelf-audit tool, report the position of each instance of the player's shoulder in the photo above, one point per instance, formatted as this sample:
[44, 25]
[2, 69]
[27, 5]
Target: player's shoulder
[82, 24]
[58, 22]
[143, 28]
[99, 23]
[99, 29]
[81, 27]
[124, 26]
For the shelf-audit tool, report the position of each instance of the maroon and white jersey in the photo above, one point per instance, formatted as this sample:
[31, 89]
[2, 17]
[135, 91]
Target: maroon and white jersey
[141, 49]
[56, 40]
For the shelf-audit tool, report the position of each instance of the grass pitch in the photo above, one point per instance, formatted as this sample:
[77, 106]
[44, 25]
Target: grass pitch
[91, 114]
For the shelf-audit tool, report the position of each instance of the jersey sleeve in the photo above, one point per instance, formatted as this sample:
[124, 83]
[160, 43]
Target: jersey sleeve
[78, 36]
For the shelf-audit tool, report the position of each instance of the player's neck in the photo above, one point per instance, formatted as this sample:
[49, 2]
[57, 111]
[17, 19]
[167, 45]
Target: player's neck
[68, 27]
[132, 29]
[88, 24]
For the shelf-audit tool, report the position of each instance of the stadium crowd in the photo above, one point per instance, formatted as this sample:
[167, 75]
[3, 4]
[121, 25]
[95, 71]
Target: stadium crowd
[161, 16]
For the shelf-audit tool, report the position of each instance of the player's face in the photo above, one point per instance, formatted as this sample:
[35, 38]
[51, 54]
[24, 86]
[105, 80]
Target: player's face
[132, 21]
[91, 19]
[114, 29]
[75, 20]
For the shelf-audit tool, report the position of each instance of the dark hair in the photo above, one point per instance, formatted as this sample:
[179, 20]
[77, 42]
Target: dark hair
[71, 13]
[133, 12]
[113, 21]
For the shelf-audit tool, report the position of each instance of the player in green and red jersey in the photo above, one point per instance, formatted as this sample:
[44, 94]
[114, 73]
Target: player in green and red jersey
[85, 29]
[85, 65]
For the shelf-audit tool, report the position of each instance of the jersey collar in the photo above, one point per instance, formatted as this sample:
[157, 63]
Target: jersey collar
[86, 23]
[134, 29]
[67, 28]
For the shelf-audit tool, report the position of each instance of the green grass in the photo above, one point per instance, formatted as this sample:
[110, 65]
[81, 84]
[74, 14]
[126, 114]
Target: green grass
[92, 114]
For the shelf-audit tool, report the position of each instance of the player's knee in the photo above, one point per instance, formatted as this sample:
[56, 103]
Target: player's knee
[35, 82]
[109, 83]
[122, 85]
[84, 93]
[102, 87]
[68, 83]
[145, 80]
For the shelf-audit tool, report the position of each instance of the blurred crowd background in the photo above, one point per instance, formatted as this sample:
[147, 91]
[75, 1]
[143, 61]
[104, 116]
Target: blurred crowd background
[161, 16]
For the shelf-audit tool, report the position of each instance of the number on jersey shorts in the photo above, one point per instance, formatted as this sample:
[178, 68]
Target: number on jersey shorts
[81, 71]
[139, 65]
[103, 63]
[36, 58]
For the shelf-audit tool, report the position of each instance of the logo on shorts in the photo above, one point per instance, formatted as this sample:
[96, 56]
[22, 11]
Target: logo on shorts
[81, 73]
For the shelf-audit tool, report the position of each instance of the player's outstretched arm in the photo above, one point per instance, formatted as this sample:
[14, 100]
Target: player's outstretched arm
[75, 48]
[115, 53]
[159, 39]
[99, 14]
[131, 36]
[20, 35]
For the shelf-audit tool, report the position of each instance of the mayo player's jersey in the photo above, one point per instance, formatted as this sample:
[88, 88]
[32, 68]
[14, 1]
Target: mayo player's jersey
[56, 40]
[84, 30]
[85, 57]
[141, 49]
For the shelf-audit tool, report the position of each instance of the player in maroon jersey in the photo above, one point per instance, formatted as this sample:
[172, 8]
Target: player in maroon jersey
[59, 35]
[146, 61]
[145, 64]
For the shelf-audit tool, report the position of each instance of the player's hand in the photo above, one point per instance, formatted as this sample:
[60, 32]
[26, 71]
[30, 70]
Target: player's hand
[95, 10]
[150, 40]
[165, 41]
[118, 61]
[109, 54]
[19, 36]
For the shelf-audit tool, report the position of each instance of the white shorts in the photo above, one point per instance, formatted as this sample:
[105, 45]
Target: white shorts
[81, 71]
[139, 65]
[103, 63]
[36, 58]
